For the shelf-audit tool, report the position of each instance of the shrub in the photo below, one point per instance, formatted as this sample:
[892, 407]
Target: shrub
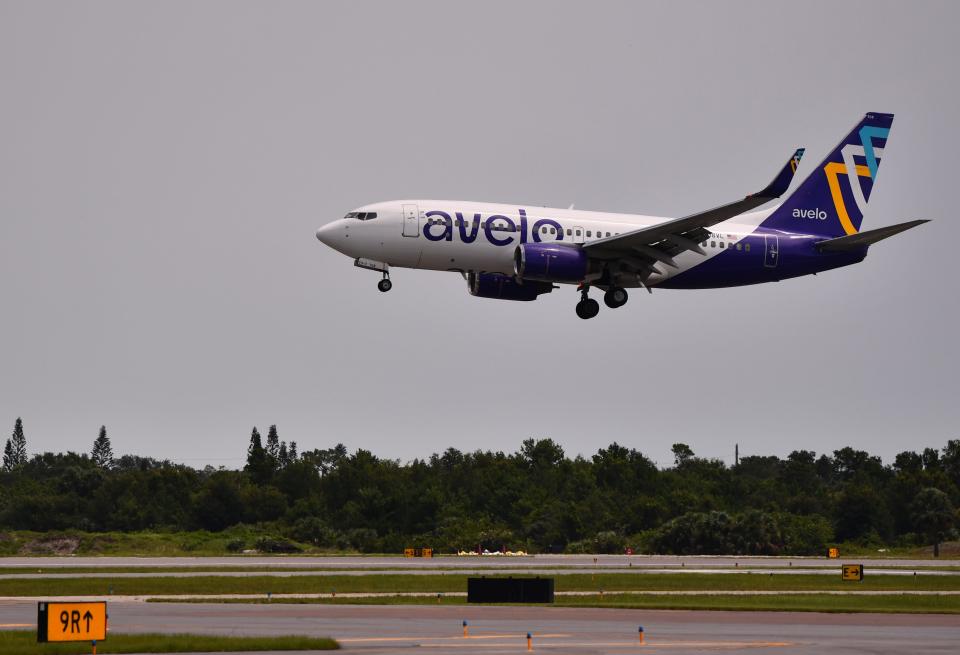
[276, 545]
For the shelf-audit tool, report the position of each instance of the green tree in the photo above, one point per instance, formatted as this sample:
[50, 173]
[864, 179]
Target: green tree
[931, 459]
[218, 505]
[273, 446]
[849, 464]
[18, 444]
[326, 460]
[258, 467]
[8, 456]
[951, 460]
[541, 453]
[682, 453]
[933, 516]
[102, 453]
[861, 513]
[908, 462]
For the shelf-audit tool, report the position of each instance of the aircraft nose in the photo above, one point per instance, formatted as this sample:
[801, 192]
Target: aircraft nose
[325, 233]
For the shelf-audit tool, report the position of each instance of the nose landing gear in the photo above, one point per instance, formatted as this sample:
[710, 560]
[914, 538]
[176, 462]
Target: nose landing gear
[372, 265]
[587, 307]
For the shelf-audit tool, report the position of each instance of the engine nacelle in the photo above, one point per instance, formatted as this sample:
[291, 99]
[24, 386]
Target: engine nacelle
[504, 287]
[550, 263]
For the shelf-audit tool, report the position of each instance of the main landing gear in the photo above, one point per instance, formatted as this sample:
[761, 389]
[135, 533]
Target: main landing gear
[385, 284]
[615, 297]
[588, 308]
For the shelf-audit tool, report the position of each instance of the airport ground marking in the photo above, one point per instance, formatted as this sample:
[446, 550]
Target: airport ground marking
[347, 640]
[626, 645]
[459, 642]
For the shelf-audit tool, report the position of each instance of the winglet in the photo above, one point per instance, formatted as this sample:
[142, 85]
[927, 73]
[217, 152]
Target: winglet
[782, 181]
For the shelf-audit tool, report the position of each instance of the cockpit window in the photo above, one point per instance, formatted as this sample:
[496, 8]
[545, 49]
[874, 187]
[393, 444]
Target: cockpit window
[363, 216]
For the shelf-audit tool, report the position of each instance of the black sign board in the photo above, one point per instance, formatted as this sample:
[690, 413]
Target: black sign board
[509, 590]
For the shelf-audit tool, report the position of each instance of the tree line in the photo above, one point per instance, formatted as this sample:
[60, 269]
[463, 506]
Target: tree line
[536, 499]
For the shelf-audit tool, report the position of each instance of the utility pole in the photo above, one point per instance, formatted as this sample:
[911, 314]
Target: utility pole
[736, 454]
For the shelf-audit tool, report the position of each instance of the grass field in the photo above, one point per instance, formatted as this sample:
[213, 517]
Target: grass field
[210, 585]
[241, 537]
[17, 642]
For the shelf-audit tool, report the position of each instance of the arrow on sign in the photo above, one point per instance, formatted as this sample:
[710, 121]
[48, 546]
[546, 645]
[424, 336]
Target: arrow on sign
[88, 617]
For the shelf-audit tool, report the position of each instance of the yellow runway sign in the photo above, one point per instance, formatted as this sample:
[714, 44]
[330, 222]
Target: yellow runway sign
[71, 621]
[418, 552]
[852, 572]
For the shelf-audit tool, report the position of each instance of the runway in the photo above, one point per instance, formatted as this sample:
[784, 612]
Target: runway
[396, 629]
[590, 562]
[638, 571]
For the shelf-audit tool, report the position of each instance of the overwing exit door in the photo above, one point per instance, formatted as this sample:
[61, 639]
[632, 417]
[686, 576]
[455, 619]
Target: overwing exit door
[411, 221]
[771, 253]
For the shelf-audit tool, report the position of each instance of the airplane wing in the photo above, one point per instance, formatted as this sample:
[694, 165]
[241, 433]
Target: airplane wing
[645, 247]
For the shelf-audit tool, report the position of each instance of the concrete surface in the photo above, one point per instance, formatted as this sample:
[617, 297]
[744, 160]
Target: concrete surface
[396, 629]
[577, 561]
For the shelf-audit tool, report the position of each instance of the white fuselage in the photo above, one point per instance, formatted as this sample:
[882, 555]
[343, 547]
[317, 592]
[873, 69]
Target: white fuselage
[461, 236]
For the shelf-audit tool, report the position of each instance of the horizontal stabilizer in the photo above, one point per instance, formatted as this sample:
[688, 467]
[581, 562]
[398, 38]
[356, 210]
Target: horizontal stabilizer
[861, 239]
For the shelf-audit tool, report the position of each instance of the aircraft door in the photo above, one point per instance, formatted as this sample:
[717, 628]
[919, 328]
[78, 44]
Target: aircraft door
[411, 221]
[577, 234]
[771, 250]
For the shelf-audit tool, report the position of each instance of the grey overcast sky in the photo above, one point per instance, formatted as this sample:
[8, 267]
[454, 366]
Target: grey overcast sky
[163, 167]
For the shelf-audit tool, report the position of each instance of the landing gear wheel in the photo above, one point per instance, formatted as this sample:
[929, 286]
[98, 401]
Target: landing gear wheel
[385, 284]
[588, 308]
[615, 297]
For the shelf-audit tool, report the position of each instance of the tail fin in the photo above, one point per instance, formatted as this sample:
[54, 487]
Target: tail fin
[833, 198]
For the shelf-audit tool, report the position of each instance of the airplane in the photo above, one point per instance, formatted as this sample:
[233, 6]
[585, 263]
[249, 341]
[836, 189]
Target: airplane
[520, 252]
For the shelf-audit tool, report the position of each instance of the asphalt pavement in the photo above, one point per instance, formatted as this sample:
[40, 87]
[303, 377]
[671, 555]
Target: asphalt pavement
[396, 629]
[468, 562]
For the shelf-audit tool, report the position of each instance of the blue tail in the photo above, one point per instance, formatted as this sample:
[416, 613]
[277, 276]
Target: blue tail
[831, 201]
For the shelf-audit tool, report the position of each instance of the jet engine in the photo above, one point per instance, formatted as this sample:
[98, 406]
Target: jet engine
[504, 287]
[549, 262]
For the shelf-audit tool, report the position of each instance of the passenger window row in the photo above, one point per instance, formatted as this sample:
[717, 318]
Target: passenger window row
[722, 244]
[498, 227]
